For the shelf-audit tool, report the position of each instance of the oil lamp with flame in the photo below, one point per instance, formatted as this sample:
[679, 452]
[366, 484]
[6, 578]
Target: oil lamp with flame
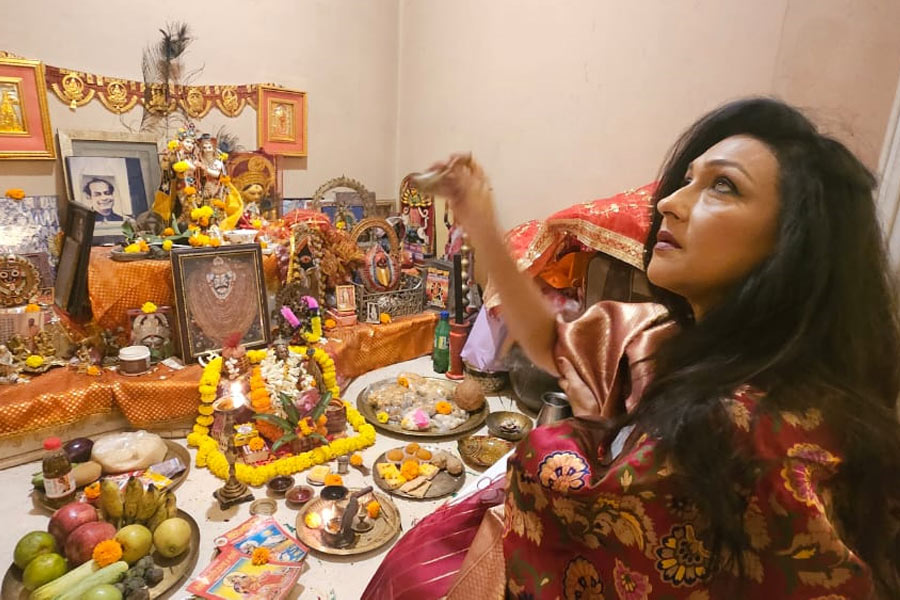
[228, 410]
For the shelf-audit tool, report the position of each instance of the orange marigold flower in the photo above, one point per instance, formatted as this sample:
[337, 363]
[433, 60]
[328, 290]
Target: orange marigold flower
[321, 420]
[15, 193]
[410, 469]
[257, 444]
[107, 552]
[334, 479]
[260, 556]
[92, 492]
[190, 190]
[373, 509]
[215, 242]
[443, 407]
[218, 203]
[356, 459]
[225, 179]
[384, 318]
[330, 324]
[168, 231]
[93, 370]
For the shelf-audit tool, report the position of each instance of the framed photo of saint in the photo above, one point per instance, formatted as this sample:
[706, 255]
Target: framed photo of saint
[219, 292]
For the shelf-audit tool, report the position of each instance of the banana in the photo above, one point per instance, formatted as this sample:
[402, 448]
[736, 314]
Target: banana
[147, 505]
[158, 517]
[134, 491]
[171, 508]
[111, 501]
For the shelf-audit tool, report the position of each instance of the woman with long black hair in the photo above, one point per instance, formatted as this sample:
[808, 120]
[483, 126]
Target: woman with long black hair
[739, 438]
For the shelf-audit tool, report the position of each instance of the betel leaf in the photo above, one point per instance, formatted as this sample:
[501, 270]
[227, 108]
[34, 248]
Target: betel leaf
[289, 409]
[319, 410]
[276, 420]
[288, 437]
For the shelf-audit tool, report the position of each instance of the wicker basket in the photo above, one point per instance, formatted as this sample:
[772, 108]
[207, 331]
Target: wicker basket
[407, 299]
[490, 382]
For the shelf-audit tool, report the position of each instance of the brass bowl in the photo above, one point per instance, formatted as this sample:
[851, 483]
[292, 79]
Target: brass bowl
[509, 425]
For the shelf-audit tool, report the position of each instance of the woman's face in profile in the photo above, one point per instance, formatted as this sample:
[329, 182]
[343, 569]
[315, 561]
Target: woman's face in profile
[720, 224]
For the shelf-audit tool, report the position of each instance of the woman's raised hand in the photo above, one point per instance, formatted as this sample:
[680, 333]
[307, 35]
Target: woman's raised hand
[462, 181]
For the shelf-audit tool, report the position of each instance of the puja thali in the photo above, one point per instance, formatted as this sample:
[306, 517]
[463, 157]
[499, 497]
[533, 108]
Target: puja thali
[383, 529]
[175, 570]
[437, 484]
[173, 450]
[472, 421]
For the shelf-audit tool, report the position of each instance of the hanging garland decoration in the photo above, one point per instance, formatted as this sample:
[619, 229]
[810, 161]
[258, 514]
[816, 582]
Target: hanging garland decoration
[209, 454]
[77, 88]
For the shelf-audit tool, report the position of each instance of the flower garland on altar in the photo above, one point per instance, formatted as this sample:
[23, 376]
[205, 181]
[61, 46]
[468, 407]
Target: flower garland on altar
[209, 454]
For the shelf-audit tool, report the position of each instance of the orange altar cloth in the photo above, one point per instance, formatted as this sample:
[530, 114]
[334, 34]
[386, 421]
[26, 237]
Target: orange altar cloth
[114, 287]
[61, 396]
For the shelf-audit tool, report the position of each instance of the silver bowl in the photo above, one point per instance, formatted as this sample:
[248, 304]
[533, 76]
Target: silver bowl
[508, 425]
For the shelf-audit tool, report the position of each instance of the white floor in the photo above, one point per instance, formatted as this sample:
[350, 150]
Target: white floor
[329, 578]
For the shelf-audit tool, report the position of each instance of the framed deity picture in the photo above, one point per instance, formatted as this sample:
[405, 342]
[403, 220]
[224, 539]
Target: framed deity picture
[345, 298]
[24, 120]
[281, 121]
[71, 272]
[219, 292]
[113, 187]
[438, 284]
[154, 330]
[145, 147]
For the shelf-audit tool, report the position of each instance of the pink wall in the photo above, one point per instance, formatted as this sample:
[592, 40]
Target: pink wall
[568, 101]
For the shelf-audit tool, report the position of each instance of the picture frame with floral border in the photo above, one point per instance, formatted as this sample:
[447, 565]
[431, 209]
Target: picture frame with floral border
[281, 117]
[25, 132]
[218, 292]
[157, 330]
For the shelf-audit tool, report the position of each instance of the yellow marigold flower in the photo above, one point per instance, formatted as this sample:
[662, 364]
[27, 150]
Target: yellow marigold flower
[384, 318]
[204, 420]
[215, 242]
[382, 417]
[403, 380]
[205, 409]
[15, 193]
[341, 225]
[144, 246]
[93, 370]
[225, 178]
[256, 223]
[107, 552]
[168, 231]
[334, 479]
[172, 145]
[195, 214]
[330, 324]
[148, 308]
[34, 361]
[263, 245]
[180, 167]
[443, 407]
[132, 248]
[167, 245]
[196, 240]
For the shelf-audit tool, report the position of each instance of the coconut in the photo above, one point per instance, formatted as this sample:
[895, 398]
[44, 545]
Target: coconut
[469, 395]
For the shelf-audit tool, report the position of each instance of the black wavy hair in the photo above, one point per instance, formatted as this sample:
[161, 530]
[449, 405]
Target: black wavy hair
[814, 325]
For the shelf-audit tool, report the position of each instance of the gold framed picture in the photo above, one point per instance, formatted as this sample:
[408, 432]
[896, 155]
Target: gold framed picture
[24, 120]
[281, 121]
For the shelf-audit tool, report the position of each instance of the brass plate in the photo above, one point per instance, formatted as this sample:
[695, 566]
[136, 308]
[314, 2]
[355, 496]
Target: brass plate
[386, 528]
[442, 484]
[482, 451]
[173, 450]
[175, 570]
[473, 423]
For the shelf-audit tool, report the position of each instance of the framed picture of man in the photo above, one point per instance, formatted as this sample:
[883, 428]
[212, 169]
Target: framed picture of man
[24, 120]
[281, 121]
[219, 292]
[113, 187]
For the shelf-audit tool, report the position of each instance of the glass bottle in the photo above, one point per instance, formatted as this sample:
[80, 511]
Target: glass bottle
[440, 357]
[59, 484]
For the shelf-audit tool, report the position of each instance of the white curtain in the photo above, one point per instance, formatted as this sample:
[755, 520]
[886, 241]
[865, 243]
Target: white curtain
[889, 187]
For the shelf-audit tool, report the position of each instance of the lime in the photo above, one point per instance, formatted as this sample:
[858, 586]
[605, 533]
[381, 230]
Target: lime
[32, 545]
[43, 569]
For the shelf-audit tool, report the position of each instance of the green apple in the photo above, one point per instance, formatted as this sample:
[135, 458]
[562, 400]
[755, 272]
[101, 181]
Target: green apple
[44, 569]
[136, 541]
[32, 545]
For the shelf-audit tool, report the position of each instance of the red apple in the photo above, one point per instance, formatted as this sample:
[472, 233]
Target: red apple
[68, 518]
[81, 542]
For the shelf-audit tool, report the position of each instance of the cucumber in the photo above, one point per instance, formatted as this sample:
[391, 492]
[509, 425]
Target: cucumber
[109, 574]
[54, 588]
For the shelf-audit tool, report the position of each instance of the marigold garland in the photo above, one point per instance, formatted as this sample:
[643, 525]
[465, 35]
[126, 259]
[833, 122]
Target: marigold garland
[208, 452]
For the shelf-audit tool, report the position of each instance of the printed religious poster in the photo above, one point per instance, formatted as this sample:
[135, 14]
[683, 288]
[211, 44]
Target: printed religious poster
[264, 532]
[233, 576]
